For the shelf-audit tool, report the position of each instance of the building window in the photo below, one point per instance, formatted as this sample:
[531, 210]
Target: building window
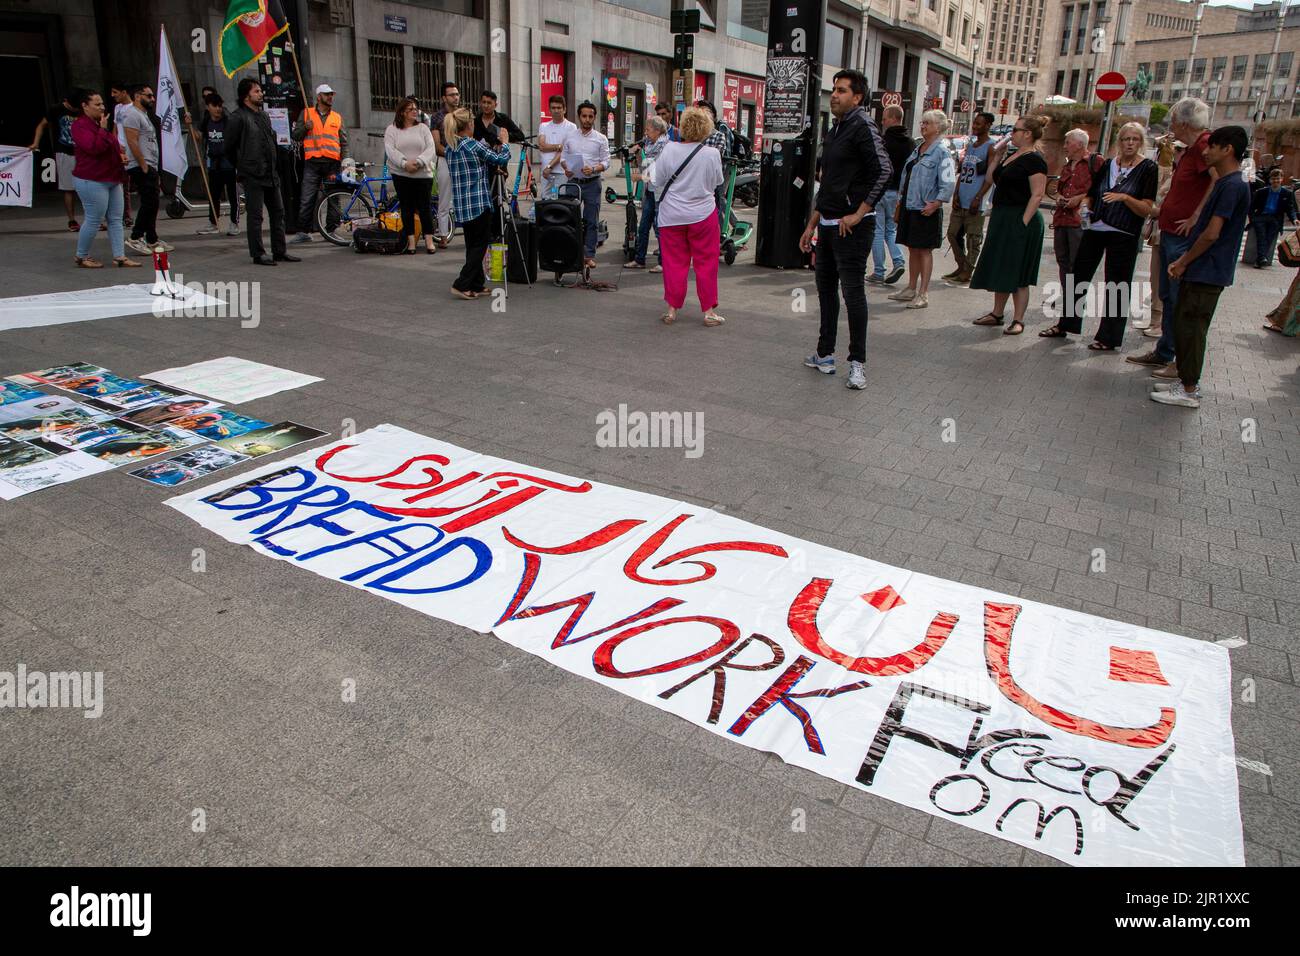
[952, 22]
[1162, 71]
[1284, 61]
[1082, 32]
[469, 77]
[1220, 67]
[1261, 65]
[430, 74]
[1180, 70]
[965, 31]
[386, 76]
[1229, 111]
[1239, 67]
[1065, 33]
[1059, 87]
[1074, 85]
[836, 45]
[1234, 91]
[1198, 70]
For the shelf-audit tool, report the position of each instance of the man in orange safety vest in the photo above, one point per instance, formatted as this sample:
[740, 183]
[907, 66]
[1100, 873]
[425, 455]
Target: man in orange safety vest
[324, 142]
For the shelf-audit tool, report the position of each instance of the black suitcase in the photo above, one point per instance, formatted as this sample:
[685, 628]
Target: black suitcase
[521, 250]
[374, 239]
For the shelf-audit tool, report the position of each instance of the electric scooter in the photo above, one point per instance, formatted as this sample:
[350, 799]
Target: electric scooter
[633, 194]
[735, 232]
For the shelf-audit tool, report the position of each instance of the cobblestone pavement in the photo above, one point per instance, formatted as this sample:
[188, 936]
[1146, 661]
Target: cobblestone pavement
[223, 689]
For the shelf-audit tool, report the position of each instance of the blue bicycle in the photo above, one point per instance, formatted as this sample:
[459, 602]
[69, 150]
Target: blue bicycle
[351, 204]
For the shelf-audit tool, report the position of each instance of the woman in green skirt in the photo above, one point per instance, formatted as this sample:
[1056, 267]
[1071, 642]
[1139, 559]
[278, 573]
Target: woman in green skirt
[1008, 263]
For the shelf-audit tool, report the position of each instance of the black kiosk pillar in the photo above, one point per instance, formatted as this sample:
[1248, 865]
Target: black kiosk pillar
[790, 109]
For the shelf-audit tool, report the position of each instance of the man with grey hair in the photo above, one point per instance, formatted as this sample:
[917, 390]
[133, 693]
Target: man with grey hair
[1072, 188]
[1189, 187]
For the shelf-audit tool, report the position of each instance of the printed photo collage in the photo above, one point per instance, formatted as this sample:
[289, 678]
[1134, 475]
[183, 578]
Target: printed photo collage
[48, 439]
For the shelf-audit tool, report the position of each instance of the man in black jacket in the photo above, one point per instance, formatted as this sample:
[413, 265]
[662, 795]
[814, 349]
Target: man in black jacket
[854, 172]
[899, 145]
[250, 145]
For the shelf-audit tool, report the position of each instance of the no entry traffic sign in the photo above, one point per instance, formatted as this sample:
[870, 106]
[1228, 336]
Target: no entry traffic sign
[1111, 86]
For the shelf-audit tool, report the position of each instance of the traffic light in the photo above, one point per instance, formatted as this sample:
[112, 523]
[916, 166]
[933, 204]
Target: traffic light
[684, 50]
[685, 21]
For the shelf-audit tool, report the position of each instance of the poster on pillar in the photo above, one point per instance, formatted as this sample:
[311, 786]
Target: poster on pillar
[701, 86]
[1095, 741]
[551, 81]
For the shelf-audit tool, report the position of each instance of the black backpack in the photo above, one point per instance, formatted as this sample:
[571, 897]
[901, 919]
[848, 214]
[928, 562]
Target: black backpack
[375, 239]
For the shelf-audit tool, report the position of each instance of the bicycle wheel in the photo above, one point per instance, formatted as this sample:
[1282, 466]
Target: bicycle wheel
[340, 213]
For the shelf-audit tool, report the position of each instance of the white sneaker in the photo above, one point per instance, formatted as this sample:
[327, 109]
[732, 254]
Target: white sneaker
[902, 295]
[207, 231]
[163, 246]
[857, 376]
[1141, 324]
[301, 237]
[140, 246]
[1151, 333]
[232, 231]
[1178, 395]
[1161, 386]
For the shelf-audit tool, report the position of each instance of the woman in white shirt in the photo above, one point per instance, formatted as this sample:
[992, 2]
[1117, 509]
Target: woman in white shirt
[408, 146]
[684, 178]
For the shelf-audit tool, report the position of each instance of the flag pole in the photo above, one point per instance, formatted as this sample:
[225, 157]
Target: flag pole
[297, 71]
[203, 169]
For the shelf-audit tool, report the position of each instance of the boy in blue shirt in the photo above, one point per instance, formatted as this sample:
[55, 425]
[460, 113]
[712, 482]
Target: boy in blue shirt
[1207, 268]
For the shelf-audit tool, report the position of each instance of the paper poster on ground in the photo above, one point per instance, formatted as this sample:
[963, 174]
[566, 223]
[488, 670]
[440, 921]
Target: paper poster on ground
[27, 466]
[1095, 741]
[268, 440]
[231, 380]
[188, 466]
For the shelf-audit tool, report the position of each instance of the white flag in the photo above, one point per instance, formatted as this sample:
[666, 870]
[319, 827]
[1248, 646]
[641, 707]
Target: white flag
[15, 176]
[170, 102]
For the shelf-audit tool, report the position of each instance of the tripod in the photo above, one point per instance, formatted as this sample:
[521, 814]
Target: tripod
[504, 219]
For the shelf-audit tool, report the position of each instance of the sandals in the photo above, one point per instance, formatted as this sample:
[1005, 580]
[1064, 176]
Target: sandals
[714, 320]
[667, 318]
[1015, 328]
[986, 317]
[88, 262]
[464, 295]
[1270, 327]
[634, 265]
[122, 262]
[74, 226]
[1100, 347]
[589, 263]
[1055, 332]
[655, 268]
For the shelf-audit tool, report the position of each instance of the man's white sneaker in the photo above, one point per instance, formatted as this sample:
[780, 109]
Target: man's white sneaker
[140, 246]
[1178, 395]
[857, 376]
[161, 246]
[207, 231]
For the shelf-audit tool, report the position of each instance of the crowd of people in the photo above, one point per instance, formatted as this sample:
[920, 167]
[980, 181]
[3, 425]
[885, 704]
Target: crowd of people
[878, 192]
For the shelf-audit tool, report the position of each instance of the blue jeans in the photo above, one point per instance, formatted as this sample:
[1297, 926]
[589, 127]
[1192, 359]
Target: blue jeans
[886, 230]
[648, 211]
[1171, 247]
[591, 200]
[102, 201]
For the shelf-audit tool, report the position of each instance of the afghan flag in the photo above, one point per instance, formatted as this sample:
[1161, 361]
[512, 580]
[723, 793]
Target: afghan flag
[250, 27]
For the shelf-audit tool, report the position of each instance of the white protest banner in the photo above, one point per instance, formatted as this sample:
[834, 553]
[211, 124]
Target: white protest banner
[1095, 741]
[15, 176]
[169, 105]
[84, 305]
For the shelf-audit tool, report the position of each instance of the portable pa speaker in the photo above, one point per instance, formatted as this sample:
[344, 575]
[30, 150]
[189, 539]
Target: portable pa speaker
[559, 235]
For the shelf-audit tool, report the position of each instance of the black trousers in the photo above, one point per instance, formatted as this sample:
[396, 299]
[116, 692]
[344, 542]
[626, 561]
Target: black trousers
[1121, 252]
[1192, 315]
[478, 235]
[257, 195]
[842, 265]
[415, 197]
[222, 181]
[146, 214]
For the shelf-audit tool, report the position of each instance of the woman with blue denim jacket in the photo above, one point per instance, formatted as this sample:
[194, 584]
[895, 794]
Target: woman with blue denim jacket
[929, 178]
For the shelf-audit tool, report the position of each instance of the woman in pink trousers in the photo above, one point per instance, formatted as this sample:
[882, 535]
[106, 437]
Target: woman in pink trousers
[685, 176]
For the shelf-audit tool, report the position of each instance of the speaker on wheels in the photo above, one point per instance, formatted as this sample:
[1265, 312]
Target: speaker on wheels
[559, 234]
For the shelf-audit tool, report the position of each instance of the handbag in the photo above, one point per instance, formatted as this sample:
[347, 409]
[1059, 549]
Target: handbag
[676, 172]
[1288, 250]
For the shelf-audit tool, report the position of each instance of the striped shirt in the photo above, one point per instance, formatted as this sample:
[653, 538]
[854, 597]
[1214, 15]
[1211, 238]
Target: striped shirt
[468, 161]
